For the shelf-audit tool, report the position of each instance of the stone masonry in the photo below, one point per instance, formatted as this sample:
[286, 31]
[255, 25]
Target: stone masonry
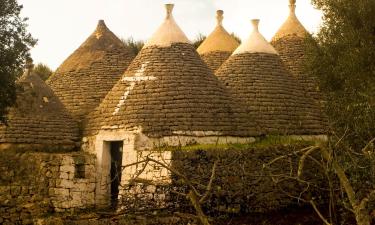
[35, 184]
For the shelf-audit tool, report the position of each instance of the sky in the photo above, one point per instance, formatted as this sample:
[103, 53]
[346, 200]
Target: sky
[61, 26]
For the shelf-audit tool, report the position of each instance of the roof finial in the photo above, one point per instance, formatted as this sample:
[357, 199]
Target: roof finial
[169, 8]
[219, 17]
[292, 6]
[255, 23]
[101, 28]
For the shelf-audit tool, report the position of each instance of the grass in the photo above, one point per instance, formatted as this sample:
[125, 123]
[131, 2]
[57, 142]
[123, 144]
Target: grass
[264, 142]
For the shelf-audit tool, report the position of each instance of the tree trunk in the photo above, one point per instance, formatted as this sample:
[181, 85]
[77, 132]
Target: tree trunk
[362, 215]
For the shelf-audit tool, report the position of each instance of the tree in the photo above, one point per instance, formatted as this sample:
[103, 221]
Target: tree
[43, 71]
[235, 36]
[358, 202]
[15, 43]
[342, 55]
[198, 40]
[134, 45]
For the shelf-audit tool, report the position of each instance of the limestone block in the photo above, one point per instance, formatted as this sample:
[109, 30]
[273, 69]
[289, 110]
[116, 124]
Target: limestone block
[52, 183]
[151, 189]
[64, 175]
[88, 198]
[160, 197]
[70, 176]
[91, 187]
[82, 187]
[76, 199]
[67, 160]
[62, 183]
[59, 192]
[65, 205]
[67, 168]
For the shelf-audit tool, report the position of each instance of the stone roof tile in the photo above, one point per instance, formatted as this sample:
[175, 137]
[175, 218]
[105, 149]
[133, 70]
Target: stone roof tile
[38, 118]
[83, 79]
[167, 91]
[271, 94]
[289, 41]
[218, 46]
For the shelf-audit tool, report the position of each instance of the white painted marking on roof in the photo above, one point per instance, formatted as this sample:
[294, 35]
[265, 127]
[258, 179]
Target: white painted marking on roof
[138, 77]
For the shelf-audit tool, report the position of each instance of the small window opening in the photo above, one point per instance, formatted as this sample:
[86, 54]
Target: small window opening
[79, 171]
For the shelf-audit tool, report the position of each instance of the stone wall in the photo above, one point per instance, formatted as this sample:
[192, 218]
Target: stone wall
[35, 184]
[241, 185]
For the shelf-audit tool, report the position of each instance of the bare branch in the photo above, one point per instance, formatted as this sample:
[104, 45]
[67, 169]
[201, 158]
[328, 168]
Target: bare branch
[318, 212]
[209, 186]
[287, 155]
[301, 163]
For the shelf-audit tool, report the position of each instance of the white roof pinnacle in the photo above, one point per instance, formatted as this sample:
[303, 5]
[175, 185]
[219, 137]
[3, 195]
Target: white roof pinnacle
[256, 43]
[169, 32]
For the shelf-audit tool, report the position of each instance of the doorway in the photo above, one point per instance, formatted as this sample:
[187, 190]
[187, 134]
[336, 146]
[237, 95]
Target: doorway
[116, 150]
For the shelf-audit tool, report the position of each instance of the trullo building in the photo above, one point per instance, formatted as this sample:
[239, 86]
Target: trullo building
[218, 46]
[38, 121]
[289, 41]
[167, 96]
[257, 77]
[85, 77]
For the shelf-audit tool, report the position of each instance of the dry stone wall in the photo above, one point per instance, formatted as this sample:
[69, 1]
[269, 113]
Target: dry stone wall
[241, 185]
[35, 184]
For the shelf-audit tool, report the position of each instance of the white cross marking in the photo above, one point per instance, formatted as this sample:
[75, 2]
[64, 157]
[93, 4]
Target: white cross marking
[138, 77]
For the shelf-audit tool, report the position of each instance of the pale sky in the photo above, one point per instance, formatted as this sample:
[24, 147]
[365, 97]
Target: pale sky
[62, 25]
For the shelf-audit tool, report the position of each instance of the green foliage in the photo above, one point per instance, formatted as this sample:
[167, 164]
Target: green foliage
[198, 40]
[342, 55]
[265, 142]
[134, 45]
[15, 43]
[235, 36]
[43, 71]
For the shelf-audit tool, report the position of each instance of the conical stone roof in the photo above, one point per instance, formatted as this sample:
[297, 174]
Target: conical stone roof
[218, 46]
[38, 121]
[292, 26]
[83, 80]
[167, 91]
[257, 77]
[289, 41]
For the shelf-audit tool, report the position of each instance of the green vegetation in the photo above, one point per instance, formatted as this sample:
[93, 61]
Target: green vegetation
[342, 55]
[198, 40]
[43, 71]
[135, 46]
[235, 36]
[265, 142]
[15, 43]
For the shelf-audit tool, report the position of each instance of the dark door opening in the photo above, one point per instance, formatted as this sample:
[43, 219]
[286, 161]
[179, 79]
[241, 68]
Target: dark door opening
[116, 163]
